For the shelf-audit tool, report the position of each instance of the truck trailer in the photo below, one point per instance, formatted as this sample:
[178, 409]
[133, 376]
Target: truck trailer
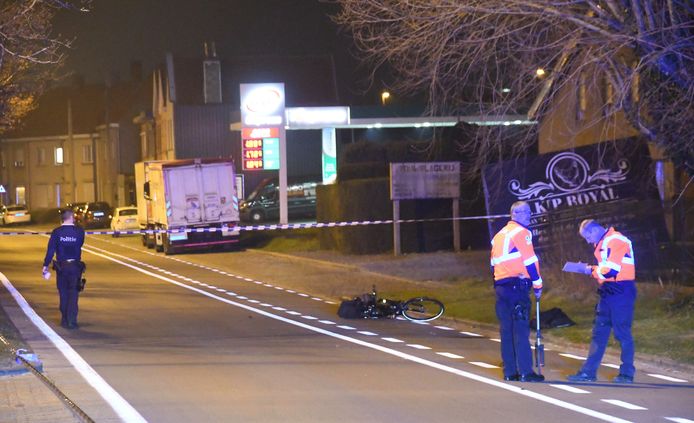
[187, 204]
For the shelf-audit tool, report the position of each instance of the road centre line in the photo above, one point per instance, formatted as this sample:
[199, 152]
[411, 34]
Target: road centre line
[623, 404]
[668, 378]
[569, 388]
[449, 355]
[405, 356]
[483, 364]
[419, 347]
[119, 405]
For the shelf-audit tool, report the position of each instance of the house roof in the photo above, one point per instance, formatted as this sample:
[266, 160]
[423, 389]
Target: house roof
[88, 103]
[308, 80]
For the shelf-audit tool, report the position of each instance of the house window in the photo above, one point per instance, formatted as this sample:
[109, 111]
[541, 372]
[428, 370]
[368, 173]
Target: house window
[59, 158]
[19, 158]
[41, 156]
[87, 154]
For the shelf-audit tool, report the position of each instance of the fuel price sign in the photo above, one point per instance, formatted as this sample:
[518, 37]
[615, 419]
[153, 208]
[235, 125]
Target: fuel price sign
[260, 148]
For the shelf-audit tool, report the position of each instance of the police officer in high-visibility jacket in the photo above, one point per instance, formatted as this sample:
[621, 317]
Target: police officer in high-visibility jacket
[516, 269]
[66, 243]
[616, 275]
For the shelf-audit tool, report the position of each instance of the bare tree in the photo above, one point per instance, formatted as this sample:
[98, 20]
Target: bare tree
[30, 54]
[481, 56]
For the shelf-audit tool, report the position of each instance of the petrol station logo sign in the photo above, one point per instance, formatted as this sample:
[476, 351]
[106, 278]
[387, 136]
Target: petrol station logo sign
[262, 104]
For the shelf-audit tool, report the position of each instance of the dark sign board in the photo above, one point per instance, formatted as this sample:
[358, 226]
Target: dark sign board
[611, 182]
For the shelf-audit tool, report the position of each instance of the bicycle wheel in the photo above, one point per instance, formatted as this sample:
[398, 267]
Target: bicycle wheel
[422, 309]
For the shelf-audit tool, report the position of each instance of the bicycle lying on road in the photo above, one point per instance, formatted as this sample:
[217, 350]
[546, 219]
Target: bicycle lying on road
[370, 306]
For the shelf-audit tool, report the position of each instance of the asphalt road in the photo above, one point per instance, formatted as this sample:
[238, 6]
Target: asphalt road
[242, 336]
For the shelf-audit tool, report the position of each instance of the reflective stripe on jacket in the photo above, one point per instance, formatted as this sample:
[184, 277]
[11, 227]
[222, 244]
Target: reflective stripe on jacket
[512, 251]
[614, 252]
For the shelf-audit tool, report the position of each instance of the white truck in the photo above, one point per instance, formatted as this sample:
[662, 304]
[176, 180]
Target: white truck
[187, 203]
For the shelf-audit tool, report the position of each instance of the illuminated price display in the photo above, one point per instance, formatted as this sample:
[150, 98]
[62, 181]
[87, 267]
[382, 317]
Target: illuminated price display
[260, 148]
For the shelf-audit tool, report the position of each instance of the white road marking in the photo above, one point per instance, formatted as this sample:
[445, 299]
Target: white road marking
[302, 295]
[668, 378]
[266, 284]
[472, 376]
[279, 308]
[614, 366]
[419, 347]
[293, 313]
[291, 291]
[393, 340]
[470, 334]
[495, 339]
[279, 288]
[367, 333]
[316, 299]
[575, 357]
[483, 364]
[307, 317]
[254, 301]
[449, 355]
[327, 322]
[443, 328]
[623, 404]
[679, 420]
[122, 408]
[241, 297]
[233, 294]
[329, 302]
[345, 327]
[570, 388]
[266, 305]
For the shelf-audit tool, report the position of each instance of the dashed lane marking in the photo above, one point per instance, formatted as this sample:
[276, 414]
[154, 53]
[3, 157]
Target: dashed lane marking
[570, 388]
[495, 339]
[575, 357]
[309, 317]
[624, 404]
[419, 347]
[345, 327]
[293, 313]
[668, 378]
[443, 328]
[483, 364]
[367, 333]
[327, 322]
[471, 334]
[449, 355]
[679, 420]
[614, 366]
[393, 340]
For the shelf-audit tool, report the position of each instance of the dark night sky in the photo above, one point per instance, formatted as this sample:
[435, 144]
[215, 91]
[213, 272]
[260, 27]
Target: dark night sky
[117, 32]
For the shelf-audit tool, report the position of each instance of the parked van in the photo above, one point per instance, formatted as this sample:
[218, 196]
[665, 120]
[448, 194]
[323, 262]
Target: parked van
[264, 202]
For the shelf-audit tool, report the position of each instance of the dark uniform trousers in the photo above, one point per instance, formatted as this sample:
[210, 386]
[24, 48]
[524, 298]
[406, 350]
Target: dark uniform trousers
[513, 311]
[68, 280]
[614, 311]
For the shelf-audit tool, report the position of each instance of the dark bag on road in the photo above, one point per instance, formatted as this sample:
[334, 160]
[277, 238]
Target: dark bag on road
[351, 309]
[552, 318]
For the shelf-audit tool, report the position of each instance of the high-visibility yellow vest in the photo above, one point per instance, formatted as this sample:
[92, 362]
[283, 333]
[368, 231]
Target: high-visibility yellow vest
[512, 251]
[614, 252]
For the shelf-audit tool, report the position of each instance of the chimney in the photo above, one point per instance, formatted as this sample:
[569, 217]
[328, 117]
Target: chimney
[212, 75]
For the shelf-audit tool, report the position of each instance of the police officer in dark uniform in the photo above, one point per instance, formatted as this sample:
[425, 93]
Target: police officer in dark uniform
[66, 243]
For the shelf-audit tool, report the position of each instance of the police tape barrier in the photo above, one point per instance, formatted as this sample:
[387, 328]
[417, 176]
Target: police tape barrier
[269, 227]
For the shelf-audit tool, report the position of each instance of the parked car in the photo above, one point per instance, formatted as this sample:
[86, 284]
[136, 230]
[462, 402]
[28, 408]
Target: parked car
[14, 214]
[264, 203]
[124, 219]
[94, 215]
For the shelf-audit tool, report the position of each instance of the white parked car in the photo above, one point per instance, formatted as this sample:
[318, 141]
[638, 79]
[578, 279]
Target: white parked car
[124, 219]
[14, 214]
